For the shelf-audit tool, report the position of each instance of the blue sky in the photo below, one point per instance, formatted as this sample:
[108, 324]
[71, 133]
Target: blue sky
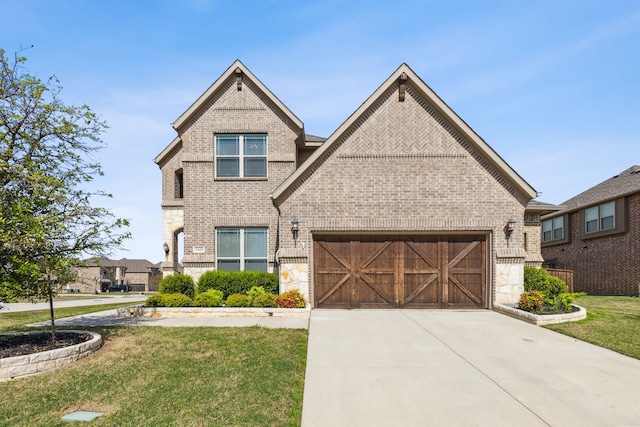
[552, 86]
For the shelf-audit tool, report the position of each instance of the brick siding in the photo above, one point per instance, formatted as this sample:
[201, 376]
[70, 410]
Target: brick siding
[608, 265]
[401, 168]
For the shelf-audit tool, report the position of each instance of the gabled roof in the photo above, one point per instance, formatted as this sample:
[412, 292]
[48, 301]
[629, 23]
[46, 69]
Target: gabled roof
[542, 208]
[313, 140]
[168, 149]
[439, 105]
[625, 183]
[231, 71]
[131, 265]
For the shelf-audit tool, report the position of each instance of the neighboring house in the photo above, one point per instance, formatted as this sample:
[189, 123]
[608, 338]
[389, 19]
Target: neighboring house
[404, 205]
[597, 235]
[100, 273]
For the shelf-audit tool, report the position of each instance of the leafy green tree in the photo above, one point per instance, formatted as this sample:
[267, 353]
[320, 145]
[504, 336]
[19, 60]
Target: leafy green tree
[47, 218]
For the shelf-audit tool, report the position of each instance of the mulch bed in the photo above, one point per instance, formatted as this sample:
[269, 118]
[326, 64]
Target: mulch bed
[23, 344]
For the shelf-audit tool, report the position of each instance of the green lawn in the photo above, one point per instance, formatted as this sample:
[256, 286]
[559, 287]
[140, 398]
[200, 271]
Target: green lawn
[151, 376]
[612, 322]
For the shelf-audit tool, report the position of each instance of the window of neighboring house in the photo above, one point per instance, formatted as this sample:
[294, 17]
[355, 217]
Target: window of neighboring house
[556, 231]
[241, 156]
[179, 184]
[240, 249]
[604, 219]
[553, 229]
[600, 218]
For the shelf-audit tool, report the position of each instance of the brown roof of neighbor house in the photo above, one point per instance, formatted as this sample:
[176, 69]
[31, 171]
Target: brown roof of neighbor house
[625, 183]
[131, 265]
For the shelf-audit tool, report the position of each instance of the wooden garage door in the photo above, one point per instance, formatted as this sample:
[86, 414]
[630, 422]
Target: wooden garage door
[400, 272]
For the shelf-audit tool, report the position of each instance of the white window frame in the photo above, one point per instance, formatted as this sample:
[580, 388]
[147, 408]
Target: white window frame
[242, 156]
[242, 258]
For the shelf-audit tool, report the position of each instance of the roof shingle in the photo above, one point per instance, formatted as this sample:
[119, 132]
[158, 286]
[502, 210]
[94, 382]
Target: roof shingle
[625, 183]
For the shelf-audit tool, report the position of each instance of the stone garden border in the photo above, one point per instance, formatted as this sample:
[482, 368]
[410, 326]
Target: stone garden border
[541, 319]
[37, 363]
[141, 311]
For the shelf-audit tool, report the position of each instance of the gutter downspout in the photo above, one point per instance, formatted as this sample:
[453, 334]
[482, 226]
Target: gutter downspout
[277, 249]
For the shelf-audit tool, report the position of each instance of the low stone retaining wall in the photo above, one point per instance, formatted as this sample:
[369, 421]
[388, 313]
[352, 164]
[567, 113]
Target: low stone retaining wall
[541, 319]
[37, 363]
[141, 311]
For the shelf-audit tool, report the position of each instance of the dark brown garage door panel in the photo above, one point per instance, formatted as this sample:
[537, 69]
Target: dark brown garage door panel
[399, 271]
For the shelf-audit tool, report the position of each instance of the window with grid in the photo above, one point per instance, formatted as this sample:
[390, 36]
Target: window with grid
[599, 218]
[241, 156]
[239, 249]
[553, 229]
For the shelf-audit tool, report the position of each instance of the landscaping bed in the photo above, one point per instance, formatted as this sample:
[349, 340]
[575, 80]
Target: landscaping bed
[578, 313]
[19, 344]
[29, 353]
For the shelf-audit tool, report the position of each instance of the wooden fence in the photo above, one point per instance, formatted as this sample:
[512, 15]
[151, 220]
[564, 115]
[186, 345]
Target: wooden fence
[566, 275]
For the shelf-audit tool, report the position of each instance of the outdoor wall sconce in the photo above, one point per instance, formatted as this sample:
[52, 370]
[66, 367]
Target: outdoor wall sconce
[166, 248]
[295, 230]
[508, 228]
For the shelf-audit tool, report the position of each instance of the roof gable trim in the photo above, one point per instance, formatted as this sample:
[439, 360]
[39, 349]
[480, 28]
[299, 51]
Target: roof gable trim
[240, 72]
[401, 77]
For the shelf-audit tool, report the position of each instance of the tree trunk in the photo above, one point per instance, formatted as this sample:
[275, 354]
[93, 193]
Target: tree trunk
[53, 325]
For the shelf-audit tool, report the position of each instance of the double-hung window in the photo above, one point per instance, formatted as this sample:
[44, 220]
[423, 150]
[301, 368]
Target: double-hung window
[240, 249]
[241, 156]
[553, 229]
[600, 218]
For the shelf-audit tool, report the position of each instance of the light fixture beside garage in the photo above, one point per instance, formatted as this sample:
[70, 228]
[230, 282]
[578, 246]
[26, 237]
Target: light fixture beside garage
[508, 228]
[294, 230]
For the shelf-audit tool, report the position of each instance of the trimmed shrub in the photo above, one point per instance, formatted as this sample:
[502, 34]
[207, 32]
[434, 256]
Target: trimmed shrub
[537, 279]
[210, 298]
[254, 292]
[237, 282]
[531, 301]
[177, 284]
[237, 300]
[154, 301]
[264, 300]
[554, 291]
[176, 300]
[291, 299]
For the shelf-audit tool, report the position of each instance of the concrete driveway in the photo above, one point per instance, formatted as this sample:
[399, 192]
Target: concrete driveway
[460, 368]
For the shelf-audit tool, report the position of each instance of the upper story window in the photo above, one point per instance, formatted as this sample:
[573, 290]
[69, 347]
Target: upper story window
[241, 249]
[604, 219]
[241, 156]
[600, 218]
[553, 229]
[556, 230]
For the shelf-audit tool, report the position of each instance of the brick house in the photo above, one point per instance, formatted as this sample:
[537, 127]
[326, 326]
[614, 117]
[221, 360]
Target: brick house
[97, 274]
[404, 205]
[597, 235]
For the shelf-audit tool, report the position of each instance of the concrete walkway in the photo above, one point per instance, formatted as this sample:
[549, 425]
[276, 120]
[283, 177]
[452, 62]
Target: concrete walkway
[110, 318]
[28, 306]
[460, 368]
